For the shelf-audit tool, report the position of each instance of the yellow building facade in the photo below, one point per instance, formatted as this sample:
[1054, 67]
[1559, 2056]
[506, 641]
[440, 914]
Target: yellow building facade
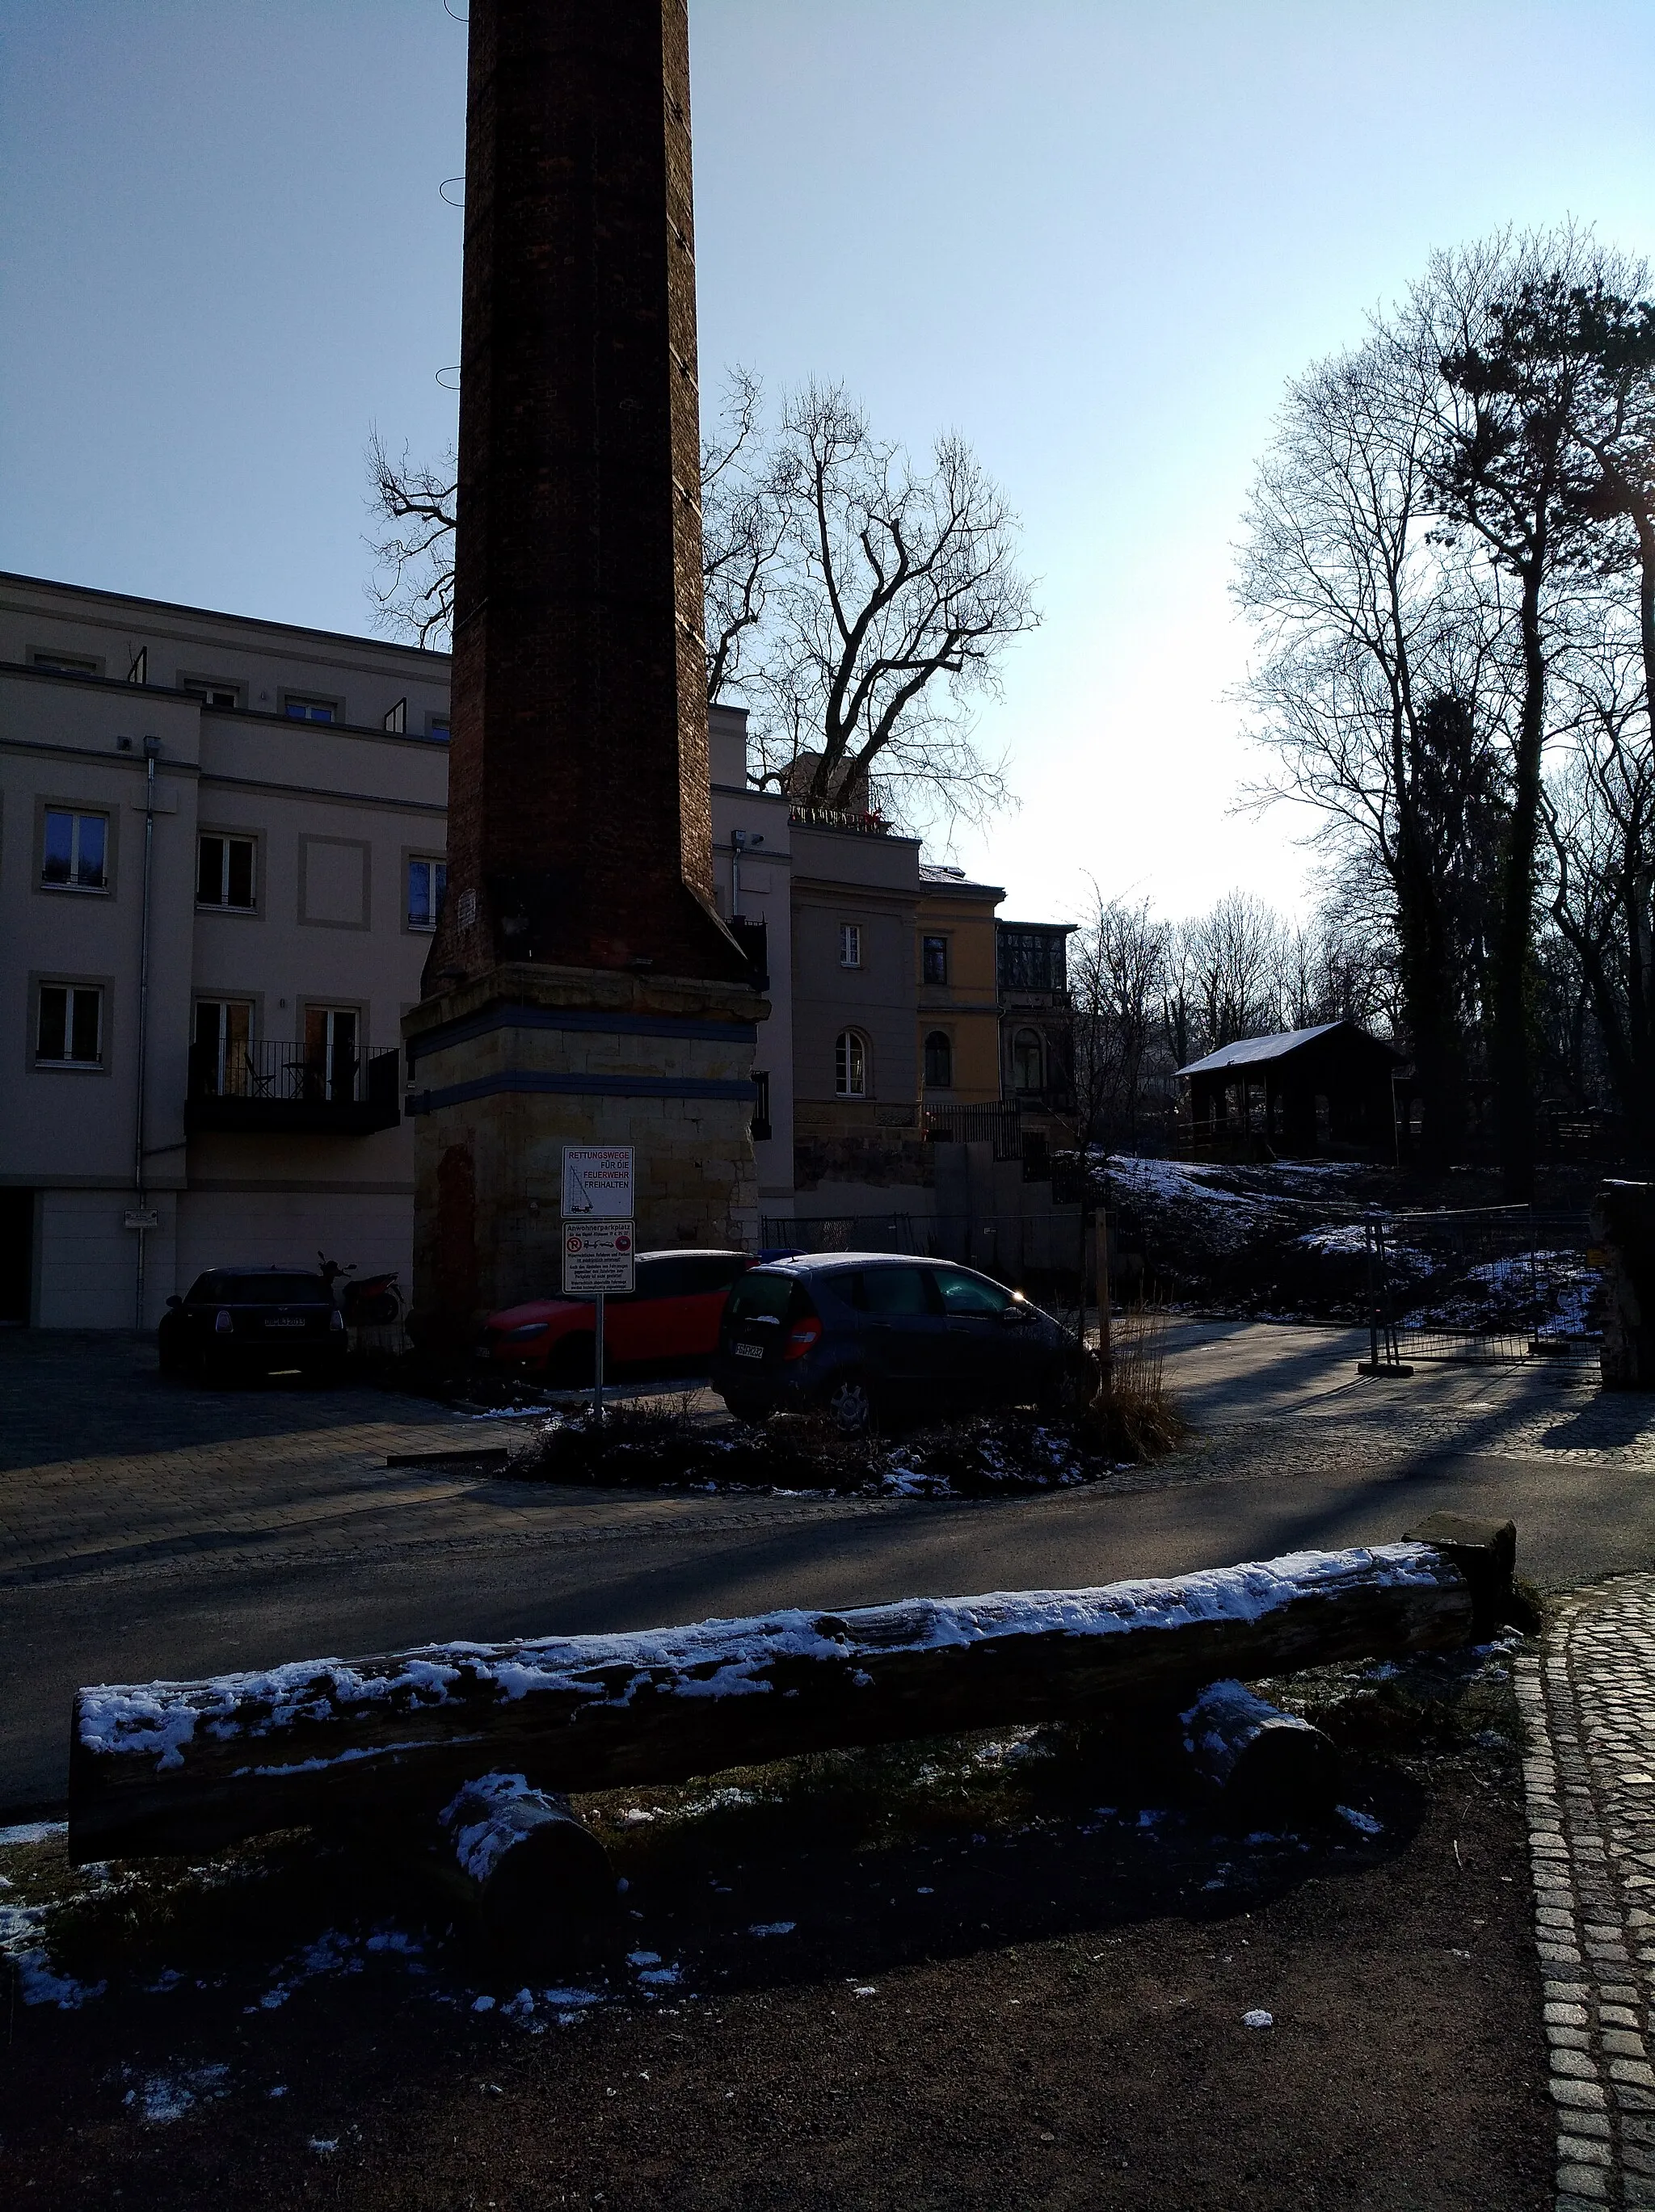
[958, 989]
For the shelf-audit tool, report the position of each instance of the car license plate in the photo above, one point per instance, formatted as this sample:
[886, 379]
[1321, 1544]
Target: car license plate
[749, 1351]
[284, 1321]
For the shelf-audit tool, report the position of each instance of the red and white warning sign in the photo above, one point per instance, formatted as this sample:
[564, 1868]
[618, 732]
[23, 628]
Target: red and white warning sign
[597, 1259]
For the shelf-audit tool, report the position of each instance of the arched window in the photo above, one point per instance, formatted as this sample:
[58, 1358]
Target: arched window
[1028, 1061]
[850, 1065]
[939, 1061]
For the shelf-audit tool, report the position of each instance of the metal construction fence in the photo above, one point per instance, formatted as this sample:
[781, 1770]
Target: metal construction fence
[1483, 1283]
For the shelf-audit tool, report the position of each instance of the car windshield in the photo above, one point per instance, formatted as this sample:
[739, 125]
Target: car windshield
[260, 1290]
[759, 1296]
[970, 1294]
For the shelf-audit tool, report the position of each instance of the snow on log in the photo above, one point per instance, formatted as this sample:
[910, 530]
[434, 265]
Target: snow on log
[528, 1868]
[185, 1766]
[1255, 1756]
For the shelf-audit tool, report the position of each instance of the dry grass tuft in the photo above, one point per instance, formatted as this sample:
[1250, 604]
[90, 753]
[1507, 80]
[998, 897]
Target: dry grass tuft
[1134, 1415]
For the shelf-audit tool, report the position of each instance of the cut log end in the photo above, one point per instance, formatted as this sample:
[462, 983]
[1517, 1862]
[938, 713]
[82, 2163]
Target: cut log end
[537, 1879]
[1259, 1761]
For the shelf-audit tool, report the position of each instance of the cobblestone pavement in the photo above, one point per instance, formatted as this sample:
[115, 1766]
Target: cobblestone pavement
[1589, 1717]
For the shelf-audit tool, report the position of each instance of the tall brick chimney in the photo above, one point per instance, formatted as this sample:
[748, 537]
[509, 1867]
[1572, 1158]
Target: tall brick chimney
[581, 987]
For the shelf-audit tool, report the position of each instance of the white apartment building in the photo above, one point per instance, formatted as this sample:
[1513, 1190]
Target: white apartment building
[221, 840]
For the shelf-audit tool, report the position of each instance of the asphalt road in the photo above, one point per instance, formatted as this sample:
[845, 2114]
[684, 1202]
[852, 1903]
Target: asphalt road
[147, 1530]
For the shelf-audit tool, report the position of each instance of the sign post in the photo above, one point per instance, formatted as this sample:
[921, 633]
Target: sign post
[598, 1237]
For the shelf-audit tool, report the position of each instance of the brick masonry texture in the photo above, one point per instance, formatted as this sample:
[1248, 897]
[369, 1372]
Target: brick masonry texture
[1588, 1705]
[580, 825]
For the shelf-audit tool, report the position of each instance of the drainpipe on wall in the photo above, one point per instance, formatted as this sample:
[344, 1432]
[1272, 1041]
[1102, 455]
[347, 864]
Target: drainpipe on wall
[151, 748]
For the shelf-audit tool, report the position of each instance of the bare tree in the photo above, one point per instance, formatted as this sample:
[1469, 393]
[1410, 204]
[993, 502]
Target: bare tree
[1232, 963]
[1366, 623]
[743, 524]
[1118, 974]
[1516, 346]
[900, 593]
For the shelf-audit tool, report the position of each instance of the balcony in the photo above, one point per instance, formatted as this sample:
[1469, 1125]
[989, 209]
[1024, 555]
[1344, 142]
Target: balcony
[283, 1090]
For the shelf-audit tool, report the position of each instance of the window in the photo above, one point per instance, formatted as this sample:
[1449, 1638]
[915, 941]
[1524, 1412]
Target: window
[436, 728]
[970, 1294]
[850, 1065]
[850, 944]
[68, 664]
[69, 1029]
[1028, 1061]
[1033, 959]
[330, 1053]
[396, 719]
[428, 880]
[74, 851]
[939, 1061]
[300, 707]
[224, 1033]
[933, 959]
[898, 1292]
[761, 1129]
[210, 691]
[224, 871]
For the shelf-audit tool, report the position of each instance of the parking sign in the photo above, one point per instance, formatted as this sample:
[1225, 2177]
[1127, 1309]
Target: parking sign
[597, 1259]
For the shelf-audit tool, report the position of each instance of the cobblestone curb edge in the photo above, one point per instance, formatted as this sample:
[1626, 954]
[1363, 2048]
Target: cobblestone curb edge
[1589, 1767]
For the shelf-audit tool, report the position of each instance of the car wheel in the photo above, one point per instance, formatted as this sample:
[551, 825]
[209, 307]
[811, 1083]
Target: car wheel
[569, 1365]
[849, 1406]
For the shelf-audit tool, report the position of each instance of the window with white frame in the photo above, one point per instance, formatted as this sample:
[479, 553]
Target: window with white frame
[68, 664]
[427, 881]
[851, 1065]
[850, 944]
[74, 851]
[224, 871]
[210, 691]
[438, 728]
[68, 1025]
[302, 707]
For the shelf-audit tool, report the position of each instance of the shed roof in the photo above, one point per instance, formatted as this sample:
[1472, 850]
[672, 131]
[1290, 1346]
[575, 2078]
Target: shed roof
[1253, 1052]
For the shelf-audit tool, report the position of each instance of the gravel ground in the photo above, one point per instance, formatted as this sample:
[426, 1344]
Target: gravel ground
[935, 1977]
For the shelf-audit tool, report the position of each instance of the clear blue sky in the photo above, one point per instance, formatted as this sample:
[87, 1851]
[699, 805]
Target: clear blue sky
[1094, 238]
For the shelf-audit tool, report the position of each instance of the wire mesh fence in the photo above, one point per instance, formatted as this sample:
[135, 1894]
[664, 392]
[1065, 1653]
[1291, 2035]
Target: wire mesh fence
[1482, 1285]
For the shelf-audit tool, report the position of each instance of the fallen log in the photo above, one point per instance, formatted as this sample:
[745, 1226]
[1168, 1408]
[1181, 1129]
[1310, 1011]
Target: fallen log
[525, 1867]
[186, 1766]
[1254, 1757]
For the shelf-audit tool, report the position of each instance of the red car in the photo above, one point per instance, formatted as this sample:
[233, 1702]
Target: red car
[669, 1321]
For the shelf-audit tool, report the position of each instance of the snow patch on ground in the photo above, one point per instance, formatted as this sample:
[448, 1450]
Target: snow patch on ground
[156, 2099]
[33, 1831]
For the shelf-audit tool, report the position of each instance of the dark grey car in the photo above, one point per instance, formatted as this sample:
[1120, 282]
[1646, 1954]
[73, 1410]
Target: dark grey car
[863, 1335]
[237, 1321]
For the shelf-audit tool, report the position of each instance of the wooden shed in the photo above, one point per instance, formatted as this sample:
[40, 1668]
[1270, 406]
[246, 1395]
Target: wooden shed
[1299, 1093]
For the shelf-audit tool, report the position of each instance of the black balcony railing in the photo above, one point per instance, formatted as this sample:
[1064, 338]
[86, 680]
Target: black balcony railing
[272, 1088]
[994, 1123]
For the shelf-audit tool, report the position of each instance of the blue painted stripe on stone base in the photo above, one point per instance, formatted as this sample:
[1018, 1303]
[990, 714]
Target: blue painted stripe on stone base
[590, 1086]
[575, 1019]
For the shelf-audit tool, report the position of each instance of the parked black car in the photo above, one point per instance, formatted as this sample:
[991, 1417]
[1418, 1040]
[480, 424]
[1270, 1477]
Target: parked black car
[237, 1321]
[863, 1335]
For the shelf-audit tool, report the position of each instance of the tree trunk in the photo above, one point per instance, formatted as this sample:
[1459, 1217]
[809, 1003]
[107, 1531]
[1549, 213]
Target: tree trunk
[1258, 1759]
[529, 1872]
[1513, 1055]
[168, 1766]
